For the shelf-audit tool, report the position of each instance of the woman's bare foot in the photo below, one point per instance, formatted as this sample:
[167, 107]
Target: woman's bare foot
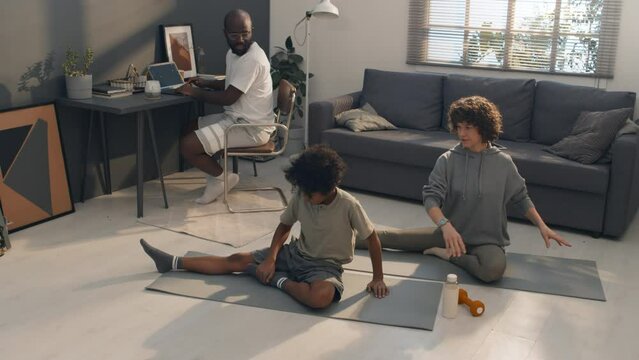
[439, 252]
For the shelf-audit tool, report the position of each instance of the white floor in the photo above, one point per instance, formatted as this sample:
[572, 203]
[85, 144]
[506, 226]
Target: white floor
[73, 288]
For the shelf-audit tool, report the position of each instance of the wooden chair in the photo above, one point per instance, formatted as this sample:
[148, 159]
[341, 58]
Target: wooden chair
[285, 107]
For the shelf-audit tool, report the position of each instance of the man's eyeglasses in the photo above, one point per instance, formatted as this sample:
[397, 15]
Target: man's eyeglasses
[239, 35]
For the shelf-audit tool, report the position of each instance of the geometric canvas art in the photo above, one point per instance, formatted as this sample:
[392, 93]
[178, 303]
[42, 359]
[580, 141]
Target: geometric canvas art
[34, 185]
[4, 234]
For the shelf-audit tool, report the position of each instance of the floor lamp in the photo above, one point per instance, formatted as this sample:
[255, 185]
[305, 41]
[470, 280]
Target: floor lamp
[322, 10]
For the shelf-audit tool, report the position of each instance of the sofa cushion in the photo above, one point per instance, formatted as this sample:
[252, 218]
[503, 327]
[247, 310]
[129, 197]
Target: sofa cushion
[591, 136]
[422, 148]
[403, 146]
[557, 107]
[542, 168]
[407, 100]
[513, 97]
[363, 119]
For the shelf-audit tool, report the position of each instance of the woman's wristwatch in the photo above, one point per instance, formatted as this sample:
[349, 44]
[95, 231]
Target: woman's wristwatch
[443, 221]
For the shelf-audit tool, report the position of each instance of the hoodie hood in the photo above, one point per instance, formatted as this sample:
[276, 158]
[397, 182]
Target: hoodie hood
[460, 150]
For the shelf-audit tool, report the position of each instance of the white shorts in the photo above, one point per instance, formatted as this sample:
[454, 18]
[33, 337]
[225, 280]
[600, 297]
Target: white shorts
[211, 133]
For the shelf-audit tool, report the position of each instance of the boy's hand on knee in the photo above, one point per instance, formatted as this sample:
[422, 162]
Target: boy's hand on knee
[265, 271]
[377, 288]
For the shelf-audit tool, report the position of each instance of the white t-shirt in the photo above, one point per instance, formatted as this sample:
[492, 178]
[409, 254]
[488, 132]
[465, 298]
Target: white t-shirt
[251, 74]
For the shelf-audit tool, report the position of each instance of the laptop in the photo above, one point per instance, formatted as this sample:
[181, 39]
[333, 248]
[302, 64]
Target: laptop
[168, 75]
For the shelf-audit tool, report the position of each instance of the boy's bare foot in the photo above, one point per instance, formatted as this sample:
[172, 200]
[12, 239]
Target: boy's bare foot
[439, 252]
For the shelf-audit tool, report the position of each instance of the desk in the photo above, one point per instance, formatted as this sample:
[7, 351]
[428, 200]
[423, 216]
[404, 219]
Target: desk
[142, 107]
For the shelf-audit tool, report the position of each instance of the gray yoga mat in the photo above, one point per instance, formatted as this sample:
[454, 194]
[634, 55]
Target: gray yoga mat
[541, 274]
[412, 303]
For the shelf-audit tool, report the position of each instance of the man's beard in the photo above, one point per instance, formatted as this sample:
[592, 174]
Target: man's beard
[242, 50]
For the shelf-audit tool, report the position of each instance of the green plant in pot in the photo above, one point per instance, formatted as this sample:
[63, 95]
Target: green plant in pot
[78, 80]
[285, 64]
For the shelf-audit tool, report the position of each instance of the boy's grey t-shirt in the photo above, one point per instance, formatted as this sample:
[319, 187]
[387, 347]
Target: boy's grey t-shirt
[328, 231]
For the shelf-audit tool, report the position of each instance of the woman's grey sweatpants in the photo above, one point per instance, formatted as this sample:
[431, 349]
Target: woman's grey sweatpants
[485, 262]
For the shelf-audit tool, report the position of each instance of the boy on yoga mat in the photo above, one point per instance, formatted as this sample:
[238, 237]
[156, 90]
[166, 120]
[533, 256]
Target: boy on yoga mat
[309, 268]
[467, 194]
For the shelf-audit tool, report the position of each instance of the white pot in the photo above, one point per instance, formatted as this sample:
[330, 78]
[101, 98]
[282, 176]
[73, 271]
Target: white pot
[79, 87]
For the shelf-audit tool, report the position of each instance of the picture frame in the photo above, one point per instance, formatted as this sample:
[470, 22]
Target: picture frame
[34, 181]
[5, 244]
[179, 48]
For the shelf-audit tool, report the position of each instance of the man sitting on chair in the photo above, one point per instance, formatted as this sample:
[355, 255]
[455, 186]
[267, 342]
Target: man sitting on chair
[247, 97]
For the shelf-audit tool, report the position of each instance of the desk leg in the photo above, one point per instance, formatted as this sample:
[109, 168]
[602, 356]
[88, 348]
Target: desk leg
[157, 158]
[191, 110]
[105, 156]
[139, 159]
[86, 155]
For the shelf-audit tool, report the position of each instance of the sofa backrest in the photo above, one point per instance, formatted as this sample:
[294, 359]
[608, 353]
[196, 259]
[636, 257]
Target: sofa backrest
[407, 100]
[558, 105]
[513, 97]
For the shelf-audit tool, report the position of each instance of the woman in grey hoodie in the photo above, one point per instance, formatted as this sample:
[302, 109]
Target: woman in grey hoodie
[467, 194]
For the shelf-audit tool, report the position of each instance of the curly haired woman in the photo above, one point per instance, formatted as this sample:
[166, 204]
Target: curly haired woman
[467, 194]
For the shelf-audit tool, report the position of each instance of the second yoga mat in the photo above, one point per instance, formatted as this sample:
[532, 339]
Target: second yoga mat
[541, 274]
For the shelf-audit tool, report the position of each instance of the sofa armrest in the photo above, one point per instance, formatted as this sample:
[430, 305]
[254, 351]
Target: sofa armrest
[321, 114]
[623, 187]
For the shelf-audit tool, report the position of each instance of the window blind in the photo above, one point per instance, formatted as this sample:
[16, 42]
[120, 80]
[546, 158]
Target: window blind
[551, 36]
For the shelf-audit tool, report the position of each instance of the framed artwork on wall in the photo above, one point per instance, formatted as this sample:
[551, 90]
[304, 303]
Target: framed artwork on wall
[34, 184]
[179, 48]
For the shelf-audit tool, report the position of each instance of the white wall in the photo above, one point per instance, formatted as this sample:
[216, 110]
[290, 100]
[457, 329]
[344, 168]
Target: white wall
[373, 34]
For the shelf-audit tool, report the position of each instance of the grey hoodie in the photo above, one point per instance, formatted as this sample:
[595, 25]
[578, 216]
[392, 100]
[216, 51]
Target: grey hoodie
[474, 189]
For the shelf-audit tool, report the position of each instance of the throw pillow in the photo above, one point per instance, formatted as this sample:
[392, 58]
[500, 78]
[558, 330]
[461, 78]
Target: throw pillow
[629, 127]
[591, 135]
[363, 119]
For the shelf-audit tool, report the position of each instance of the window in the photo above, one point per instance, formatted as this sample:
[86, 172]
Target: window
[551, 36]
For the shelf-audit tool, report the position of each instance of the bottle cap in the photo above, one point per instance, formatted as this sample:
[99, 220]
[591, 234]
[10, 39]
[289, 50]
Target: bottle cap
[451, 278]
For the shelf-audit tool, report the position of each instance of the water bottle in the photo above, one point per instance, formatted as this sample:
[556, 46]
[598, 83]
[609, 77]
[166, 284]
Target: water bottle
[451, 297]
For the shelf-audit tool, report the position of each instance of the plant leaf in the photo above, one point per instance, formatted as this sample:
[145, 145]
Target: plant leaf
[289, 43]
[295, 58]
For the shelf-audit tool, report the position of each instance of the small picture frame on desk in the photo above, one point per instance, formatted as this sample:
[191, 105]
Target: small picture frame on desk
[179, 48]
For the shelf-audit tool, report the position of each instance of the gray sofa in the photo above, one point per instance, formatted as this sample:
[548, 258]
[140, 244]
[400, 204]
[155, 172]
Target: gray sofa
[601, 198]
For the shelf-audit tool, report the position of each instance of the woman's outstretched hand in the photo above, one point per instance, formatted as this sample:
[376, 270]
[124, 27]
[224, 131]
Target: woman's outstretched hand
[548, 234]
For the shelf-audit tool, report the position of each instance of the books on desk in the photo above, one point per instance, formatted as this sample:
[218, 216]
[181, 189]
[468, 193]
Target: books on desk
[109, 92]
[112, 96]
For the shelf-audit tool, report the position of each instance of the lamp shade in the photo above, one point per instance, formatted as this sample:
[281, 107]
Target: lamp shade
[325, 9]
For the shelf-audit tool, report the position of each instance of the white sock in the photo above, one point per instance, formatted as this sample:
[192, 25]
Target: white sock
[280, 282]
[215, 188]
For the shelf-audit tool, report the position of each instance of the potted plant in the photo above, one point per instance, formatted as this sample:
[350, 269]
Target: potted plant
[78, 80]
[285, 64]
